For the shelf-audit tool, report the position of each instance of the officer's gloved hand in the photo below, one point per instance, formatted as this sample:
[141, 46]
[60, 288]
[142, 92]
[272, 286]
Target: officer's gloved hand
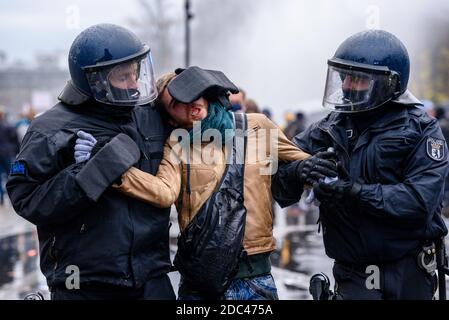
[83, 146]
[317, 167]
[341, 189]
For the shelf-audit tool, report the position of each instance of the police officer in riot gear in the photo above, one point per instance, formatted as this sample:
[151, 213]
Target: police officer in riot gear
[115, 247]
[381, 218]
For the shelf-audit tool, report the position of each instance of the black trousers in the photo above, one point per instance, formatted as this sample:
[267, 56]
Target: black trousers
[159, 288]
[399, 280]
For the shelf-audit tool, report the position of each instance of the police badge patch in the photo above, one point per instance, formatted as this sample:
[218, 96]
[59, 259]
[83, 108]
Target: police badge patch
[18, 168]
[435, 148]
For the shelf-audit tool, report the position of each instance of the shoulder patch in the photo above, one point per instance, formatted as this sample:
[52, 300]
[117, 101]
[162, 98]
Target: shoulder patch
[18, 168]
[435, 148]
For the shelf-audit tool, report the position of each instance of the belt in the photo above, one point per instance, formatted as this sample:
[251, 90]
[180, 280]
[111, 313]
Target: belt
[422, 249]
[353, 267]
[254, 265]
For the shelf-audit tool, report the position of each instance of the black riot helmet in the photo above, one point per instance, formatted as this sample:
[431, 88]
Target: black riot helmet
[368, 69]
[111, 65]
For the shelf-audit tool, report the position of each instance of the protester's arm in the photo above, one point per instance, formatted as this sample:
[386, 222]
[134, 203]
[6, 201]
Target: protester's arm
[161, 190]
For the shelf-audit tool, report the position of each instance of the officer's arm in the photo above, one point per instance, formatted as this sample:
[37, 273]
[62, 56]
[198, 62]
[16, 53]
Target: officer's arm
[161, 190]
[418, 197]
[45, 191]
[285, 185]
[39, 191]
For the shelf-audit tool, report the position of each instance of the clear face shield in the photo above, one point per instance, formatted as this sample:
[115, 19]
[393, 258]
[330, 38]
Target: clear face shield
[356, 87]
[128, 83]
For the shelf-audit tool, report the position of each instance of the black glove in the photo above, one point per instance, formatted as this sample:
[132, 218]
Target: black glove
[342, 189]
[107, 165]
[317, 167]
[101, 142]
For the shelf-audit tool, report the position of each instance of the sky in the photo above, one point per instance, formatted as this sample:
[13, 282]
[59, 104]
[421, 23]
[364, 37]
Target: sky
[28, 26]
[277, 51]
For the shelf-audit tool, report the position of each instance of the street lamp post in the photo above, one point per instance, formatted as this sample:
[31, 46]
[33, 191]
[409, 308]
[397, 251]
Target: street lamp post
[188, 17]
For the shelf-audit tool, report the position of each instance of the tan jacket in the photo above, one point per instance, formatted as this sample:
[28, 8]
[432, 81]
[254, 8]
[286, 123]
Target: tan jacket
[169, 185]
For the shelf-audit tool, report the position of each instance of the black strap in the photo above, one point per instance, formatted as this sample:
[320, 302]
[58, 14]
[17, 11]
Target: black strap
[240, 137]
[241, 125]
[239, 156]
[188, 178]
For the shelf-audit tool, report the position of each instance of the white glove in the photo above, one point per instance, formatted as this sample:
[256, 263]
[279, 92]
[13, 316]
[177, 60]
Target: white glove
[83, 146]
[311, 196]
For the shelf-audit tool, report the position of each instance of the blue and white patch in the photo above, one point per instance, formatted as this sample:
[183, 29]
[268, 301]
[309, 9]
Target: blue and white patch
[18, 168]
[435, 148]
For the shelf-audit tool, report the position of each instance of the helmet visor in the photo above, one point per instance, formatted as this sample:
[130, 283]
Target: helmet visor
[129, 83]
[349, 90]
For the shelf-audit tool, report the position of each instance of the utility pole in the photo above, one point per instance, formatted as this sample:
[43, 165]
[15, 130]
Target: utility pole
[188, 17]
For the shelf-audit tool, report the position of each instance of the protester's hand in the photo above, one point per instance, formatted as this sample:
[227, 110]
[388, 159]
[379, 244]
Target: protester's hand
[83, 146]
[317, 167]
[341, 189]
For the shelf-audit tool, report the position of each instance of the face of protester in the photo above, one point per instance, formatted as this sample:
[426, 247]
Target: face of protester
[183, 115]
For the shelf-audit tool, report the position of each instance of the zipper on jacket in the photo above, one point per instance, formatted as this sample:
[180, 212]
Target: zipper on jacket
[131, 256]
[318, 222]
[52, 248]
[336, 141]
[53, 253]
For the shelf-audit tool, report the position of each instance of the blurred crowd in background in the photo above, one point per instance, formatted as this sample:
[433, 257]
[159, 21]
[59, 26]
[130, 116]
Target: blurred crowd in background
[14, 127]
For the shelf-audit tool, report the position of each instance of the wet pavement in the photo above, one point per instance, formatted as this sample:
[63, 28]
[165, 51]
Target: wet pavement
[19, 257]
[299, 255]
[20, 274]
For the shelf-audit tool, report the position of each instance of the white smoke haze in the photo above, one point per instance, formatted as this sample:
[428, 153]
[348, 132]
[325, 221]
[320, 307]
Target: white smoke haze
[275, 50]
[279, 53]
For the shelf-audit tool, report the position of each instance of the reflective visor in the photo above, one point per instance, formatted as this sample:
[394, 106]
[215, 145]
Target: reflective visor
[350, 89]
[128, 83]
